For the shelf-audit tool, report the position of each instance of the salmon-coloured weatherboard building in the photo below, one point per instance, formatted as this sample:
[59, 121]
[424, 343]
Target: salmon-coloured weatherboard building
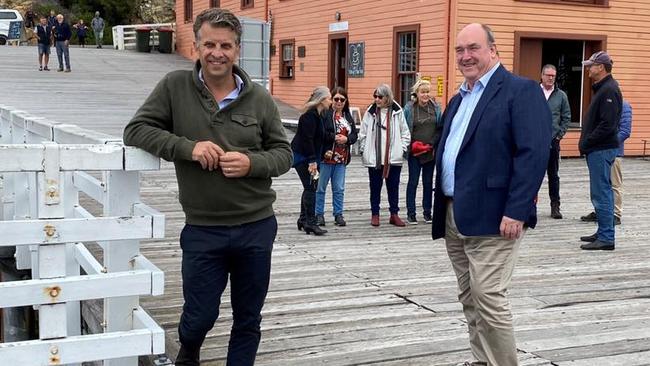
[360, 44]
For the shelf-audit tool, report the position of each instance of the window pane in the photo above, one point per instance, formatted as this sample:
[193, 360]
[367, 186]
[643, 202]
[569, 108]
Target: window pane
[287, 52]
[407, 57]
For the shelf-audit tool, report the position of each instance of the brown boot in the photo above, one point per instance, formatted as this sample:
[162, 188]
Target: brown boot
[374, 220]
[395, 220]
[555, 210]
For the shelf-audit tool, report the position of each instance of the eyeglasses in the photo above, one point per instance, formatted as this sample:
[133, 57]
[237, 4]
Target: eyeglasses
[339, 99]
[377, 96]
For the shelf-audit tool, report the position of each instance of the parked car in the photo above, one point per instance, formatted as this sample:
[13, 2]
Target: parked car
[7, 16]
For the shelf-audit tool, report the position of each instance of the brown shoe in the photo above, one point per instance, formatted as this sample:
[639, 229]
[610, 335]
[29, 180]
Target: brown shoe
[374, 221]
[395, 220]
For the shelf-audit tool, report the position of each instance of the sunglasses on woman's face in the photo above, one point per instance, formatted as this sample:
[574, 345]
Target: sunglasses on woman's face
[340, 100]
[377, 96]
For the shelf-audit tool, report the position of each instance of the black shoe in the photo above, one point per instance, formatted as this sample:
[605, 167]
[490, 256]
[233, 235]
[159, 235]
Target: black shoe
[320, 220]
[589, 218]
[598, 245]
[300, 223]
[188, 357]
[555, 210]
[590, 238]
[314, 229]
[339, 221]
[617, 220]
[411, 220]
[428, 219]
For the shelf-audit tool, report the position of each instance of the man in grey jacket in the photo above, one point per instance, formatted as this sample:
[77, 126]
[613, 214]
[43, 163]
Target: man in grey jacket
[558, 102]
[97, 25]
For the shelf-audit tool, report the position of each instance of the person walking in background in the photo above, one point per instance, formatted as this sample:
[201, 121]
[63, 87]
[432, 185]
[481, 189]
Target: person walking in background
[63, 35]
[44, 34]
[490, 165]
[624, 130]
[307, 148]
[30, 18]
[82, 29]
[384, 138]
[340, 133]
[97, 24]
[51, 20]
[224, 134]
[423, 118]
[558, 103]
[599, 142]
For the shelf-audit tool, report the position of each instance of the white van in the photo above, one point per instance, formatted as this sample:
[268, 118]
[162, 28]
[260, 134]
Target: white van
[7, 16]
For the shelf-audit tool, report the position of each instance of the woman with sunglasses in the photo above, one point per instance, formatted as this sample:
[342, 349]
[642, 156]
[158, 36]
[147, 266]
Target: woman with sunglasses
[340, 134]
[423, 118]
[384, 138]
[306, 146]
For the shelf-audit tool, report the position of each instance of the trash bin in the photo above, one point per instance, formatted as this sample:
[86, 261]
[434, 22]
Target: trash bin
[142, 37]
[165, 40]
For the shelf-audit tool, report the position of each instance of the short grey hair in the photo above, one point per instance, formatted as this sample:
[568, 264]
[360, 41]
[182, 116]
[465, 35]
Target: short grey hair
[386, 91]
[548, 66]
[319, 94]
[218, 18]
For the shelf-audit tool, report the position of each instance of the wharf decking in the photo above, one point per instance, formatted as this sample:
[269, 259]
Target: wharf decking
[375, 296]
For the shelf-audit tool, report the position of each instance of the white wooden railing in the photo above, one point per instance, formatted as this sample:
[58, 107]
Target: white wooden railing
[124, 35]
[43, 168]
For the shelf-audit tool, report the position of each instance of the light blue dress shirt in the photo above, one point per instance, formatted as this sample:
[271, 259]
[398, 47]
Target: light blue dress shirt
[233, 94]
[458, 128]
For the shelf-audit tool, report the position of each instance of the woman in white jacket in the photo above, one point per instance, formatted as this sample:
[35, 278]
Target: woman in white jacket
[384, 138]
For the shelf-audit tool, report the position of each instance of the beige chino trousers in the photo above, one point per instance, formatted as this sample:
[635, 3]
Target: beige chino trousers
[483, 267]
[617, 187]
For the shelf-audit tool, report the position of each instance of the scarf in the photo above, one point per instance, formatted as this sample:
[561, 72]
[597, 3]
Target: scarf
[378, 159]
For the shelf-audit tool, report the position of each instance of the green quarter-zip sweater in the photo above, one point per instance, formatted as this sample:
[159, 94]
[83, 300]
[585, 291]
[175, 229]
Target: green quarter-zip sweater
[180, 112]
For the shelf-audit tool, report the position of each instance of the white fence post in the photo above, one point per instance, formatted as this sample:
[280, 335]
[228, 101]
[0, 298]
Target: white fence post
[122, 192]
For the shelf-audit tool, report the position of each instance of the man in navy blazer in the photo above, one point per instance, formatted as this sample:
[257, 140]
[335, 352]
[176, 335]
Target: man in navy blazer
[491, 161]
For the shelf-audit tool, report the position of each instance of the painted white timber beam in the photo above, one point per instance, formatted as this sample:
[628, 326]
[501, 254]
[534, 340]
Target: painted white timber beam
[114, 156]
[78, 349]
[77, 288]
[51, 231]
[141, 262]
[142, 320]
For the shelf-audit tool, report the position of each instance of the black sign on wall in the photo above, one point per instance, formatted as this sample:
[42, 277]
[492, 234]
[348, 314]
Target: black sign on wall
[15, 29]
[355, 59]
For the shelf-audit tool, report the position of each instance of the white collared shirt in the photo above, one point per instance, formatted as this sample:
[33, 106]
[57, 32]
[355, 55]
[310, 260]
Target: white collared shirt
[547, 93]
[232, 95]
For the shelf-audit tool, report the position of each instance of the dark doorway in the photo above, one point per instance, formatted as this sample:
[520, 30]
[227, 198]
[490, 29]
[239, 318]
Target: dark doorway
[565, 52]
[338, 60]
[567, 56]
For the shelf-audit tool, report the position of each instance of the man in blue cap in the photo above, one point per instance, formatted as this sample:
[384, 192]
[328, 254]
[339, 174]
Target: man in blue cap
[599, 142]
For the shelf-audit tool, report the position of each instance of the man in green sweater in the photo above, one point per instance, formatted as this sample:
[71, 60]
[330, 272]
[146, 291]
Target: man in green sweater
[226, 139]
[558, 103]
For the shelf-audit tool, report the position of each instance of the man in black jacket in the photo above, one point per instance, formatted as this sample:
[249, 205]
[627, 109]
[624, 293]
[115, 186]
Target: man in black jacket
[63, 35]
[43, 32]
[599, 142]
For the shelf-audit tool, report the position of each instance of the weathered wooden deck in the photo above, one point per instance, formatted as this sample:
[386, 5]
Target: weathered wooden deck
[381, 296]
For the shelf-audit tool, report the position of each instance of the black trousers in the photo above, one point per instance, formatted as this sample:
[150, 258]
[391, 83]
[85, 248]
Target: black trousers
[553, 171]
[308, 200]
[210, 255]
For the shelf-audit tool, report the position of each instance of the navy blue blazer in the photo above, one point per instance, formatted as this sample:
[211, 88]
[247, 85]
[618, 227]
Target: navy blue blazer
[502, 159]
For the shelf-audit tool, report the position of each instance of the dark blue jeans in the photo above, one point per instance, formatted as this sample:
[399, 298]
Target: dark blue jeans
[553, 171]
[415, 167]
[392, 187]
[210, 255]
[335, 173]
[600, 186]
